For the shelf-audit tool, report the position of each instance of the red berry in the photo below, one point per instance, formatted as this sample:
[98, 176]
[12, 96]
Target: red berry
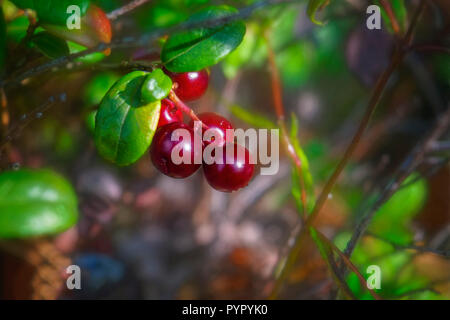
[190, 85]
[218, 123]
[228, 177]
[169, 113]
[161, 151]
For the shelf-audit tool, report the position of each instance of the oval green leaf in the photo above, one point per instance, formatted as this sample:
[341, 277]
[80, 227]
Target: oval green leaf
[52, 11]
[197, 49]
[124, 126]
[34, 203]
[49, 45]
[156, 87]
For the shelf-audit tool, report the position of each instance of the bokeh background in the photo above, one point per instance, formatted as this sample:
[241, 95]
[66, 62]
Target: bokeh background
[142, 235]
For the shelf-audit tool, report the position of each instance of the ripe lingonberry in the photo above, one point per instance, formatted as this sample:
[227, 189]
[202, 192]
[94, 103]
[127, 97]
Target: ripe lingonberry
[169, 113]
[161, 151]
[190, 85]
[228, 177]
[217, 123]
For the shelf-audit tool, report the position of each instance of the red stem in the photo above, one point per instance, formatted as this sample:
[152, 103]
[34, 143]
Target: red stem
[184, 108]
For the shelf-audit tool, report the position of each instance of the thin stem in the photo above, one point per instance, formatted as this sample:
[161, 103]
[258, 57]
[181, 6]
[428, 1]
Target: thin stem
[422, 249]
[349, 264]
[4, 110]
[430, 47]
[409, 164]
[184, 108]
[26, 119]
[394, 23]
[145, 39]
[279, 110]
[373, 102]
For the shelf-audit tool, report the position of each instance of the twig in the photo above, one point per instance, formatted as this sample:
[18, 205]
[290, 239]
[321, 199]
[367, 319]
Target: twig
[410, 163]
[22, 45]
[4, 112]
[373, 102]
[279, 110]
[113, 15]
[412, 247]
[130, 42]
[394, 23]
[26, 119]
[184, 108]
[347, 262]
[430, 47]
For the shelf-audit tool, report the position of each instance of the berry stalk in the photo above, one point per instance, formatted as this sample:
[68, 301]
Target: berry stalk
[183, 107]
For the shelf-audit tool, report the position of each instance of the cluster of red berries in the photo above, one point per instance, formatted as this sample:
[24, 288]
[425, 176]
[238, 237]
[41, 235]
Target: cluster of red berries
[226, 177]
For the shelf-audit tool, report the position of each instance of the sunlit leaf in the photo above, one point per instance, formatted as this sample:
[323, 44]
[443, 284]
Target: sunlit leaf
[90, 58]
[157, 86]
[90, 121]
[197, 49]
[124, 125]
[34, 203]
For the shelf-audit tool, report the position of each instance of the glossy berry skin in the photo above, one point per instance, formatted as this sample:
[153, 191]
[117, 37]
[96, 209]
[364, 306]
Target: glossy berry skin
[218, 123]
[190, 85]
[161, 151]
[230, 177]
[169, 113]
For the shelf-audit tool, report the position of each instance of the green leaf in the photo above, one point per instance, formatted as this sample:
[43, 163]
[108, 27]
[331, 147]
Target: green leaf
[392, 221]
[52, 11]
[90, 121]
[124, 126]
[305, 174]
[313, 7]
[157, 86]
[251, 118]
[49, 45]
[34, 203]
[97, 88]
[197, 49]
[90, 58]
